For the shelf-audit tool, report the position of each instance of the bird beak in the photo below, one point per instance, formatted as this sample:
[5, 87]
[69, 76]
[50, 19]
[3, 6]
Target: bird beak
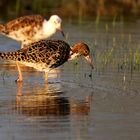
[60, 29]
[89, 60]
[62, 33]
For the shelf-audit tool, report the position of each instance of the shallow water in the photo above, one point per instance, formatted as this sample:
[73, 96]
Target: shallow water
[77, 103]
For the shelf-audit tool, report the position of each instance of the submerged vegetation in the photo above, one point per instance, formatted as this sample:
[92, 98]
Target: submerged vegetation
[117, 52]
[130, 60]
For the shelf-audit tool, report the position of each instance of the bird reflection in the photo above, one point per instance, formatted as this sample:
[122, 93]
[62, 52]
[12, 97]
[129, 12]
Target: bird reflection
[81, 107]
[43, 102]
[47, 101]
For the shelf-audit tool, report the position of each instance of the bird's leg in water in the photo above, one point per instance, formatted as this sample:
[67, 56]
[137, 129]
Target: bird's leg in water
[46, 77]
[20, 78]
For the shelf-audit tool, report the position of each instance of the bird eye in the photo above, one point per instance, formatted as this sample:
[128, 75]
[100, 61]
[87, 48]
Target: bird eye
[55, 22]
[86, 52]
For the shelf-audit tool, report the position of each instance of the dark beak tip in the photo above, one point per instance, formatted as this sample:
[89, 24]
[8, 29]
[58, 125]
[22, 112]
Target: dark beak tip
[62, 33]
[92, 67]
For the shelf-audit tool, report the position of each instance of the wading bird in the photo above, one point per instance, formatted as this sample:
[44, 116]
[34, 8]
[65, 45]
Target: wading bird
[32, 28]
[46, 55]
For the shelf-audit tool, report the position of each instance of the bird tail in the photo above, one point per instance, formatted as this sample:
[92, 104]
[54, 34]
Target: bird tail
[15, 56]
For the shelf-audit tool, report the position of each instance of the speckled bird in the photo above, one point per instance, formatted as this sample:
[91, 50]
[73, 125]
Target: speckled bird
[46, 55]
[31, 28]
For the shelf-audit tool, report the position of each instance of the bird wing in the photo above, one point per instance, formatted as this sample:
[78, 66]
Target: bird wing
[41, 55]
[52, 52]
[24, 22]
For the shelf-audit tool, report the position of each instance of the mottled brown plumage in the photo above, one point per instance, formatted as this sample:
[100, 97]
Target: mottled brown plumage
[23, 22]
[42, 55]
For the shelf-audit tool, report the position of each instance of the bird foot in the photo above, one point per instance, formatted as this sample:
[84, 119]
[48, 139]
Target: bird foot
[19, 80]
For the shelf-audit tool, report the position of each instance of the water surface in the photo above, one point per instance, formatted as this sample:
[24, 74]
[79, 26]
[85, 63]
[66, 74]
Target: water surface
[77, 103]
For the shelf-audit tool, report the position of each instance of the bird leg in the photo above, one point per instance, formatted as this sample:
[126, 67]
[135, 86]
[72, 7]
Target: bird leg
[46, 77]
[19, 92]
[20, 78]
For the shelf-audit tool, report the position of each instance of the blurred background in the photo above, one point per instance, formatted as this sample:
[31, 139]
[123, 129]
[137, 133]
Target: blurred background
[73, 9]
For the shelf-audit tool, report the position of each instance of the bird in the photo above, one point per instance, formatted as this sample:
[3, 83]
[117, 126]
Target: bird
[45, 55]
[31, 28]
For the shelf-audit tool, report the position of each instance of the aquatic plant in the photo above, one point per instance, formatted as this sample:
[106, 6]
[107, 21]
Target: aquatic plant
[97, 20]
[136, 58]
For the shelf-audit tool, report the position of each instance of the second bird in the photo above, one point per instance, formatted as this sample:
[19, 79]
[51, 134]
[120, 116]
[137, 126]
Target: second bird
[32, 28]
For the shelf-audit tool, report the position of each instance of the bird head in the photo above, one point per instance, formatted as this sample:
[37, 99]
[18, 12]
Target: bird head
[56, 21]
[81, 49]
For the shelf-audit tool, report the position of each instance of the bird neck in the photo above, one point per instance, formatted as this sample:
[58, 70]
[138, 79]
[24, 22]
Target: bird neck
[48, 28]
[73, 55]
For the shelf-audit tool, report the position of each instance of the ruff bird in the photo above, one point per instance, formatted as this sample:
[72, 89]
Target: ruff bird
[46, 55]
[32, 28]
